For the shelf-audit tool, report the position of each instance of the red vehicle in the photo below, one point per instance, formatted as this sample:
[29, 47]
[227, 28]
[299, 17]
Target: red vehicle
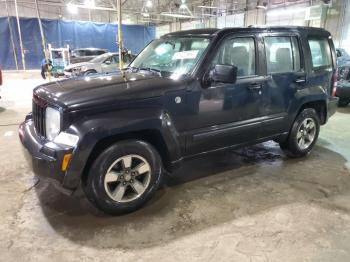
[0, 81]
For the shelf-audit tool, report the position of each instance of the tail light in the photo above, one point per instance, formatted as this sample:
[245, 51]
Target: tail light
[334, 82]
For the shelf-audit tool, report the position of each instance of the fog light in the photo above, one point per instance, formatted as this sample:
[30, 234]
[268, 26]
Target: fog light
[65, 161]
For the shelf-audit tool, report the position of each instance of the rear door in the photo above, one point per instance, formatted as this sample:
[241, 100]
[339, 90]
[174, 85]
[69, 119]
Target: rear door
[286, 75]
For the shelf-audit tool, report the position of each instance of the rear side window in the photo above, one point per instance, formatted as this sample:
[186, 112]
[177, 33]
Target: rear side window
[282, 54]
[320, 53]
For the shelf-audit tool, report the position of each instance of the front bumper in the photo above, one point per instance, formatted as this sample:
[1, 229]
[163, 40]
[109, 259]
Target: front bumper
[44, 157]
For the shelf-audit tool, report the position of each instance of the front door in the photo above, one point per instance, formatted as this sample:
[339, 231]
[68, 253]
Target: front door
[111, 64]
[228, 114]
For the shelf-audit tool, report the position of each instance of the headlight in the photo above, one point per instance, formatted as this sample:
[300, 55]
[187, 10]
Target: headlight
[52, 123]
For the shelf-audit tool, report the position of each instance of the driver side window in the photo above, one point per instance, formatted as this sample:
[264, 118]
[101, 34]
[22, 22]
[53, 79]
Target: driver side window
[239, 52]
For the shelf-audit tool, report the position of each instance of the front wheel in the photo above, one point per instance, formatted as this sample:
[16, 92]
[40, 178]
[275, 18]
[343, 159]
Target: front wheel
[303, 135]
[89, 72]
[124, 177]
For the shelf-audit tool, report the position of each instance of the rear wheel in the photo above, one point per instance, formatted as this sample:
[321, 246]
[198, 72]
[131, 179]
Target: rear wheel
[343, 102]
[303, 135]
[124, 177]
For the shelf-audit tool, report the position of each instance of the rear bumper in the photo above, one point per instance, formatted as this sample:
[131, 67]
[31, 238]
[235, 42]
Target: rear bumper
[43, 156]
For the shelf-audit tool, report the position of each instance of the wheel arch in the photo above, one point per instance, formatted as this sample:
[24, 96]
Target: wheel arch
[151, 125]
[151, 136]
[320, 106]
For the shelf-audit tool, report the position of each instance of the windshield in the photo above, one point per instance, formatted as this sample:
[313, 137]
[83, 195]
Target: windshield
[100, 58]
[174, 55]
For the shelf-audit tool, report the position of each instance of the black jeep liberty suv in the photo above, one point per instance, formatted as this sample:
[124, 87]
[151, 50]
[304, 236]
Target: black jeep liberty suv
[188, 93]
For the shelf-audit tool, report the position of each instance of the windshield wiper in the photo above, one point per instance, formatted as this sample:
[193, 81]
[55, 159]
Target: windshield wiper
[153, 70]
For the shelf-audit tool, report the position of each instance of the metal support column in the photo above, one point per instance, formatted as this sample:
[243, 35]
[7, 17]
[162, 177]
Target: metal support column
[11, 35]
[42, 36]
[120, 34]
[20, 37]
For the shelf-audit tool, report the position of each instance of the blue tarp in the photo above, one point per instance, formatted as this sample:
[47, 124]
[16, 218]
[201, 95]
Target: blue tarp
[59, 33]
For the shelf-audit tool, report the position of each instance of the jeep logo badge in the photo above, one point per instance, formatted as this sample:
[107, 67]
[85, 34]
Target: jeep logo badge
[177, 100]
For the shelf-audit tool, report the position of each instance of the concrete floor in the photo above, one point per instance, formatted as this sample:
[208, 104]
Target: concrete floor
[252, 204]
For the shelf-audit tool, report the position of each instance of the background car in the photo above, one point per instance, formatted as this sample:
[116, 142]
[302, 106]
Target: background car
[85, 54]
[343, 86]
[105, 63]
[342, 57]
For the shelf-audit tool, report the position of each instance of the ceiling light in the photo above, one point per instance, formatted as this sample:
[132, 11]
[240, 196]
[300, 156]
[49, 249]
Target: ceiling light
[72, 8]
[89, 3]
[149, 3]
[177, 15]
[209, 7]
[183, 5]
[145, 14]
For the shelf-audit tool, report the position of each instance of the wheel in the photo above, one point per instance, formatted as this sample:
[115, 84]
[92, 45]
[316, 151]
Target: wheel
[89, 72]
[303, 135]
[343, 102]
[124, 177]
[56, 75]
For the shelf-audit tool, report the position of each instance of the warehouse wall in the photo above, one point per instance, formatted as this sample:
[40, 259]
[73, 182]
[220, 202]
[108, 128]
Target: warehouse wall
[61, 33]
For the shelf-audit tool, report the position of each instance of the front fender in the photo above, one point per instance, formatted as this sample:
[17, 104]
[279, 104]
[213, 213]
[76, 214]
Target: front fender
[93, 129]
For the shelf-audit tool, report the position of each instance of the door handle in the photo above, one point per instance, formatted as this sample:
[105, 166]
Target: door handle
[254, 86]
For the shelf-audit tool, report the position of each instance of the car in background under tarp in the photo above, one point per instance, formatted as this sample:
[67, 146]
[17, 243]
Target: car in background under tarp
[106, 63]
[85, 54]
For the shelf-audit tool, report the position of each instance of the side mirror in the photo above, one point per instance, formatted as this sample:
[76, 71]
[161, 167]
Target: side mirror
[108, 62]
[224, 74]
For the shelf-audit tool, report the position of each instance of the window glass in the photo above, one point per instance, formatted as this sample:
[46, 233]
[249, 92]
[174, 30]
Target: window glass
[175, 55]
[89, 53]
[115, 59]
[239, 52]
[320, 53]
[282, 54]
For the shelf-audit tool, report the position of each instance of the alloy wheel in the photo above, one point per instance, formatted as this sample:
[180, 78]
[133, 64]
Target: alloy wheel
[127, 178]
[306, 133]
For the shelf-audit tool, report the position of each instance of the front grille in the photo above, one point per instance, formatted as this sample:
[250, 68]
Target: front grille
[39, 108]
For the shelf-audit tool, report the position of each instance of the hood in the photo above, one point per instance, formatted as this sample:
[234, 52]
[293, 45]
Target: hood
[101, 89]
[78, 65]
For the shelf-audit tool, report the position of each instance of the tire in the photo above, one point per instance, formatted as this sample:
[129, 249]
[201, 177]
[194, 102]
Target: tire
[119, 195]
[89, 72]
[343, 102]
[293, 145]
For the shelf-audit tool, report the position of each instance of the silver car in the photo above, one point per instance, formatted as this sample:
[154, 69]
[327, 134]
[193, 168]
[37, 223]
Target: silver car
[105, 63]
